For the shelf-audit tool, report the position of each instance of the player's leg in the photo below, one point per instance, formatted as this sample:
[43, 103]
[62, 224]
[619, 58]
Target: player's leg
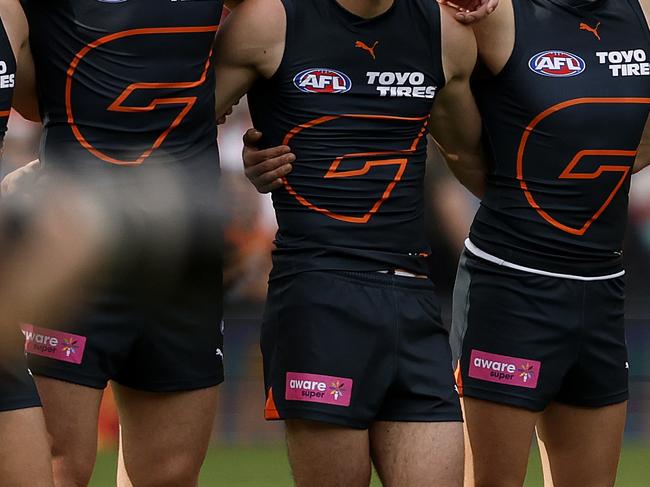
[499, 439]
[24, 447]
[166, 390]
[564, 431]
[591, 407]
[71, 415]
[328, 455]
[164, 436]
[515, 329]
[24, 450]
[328, 343]
[419, 434]
[414, 454]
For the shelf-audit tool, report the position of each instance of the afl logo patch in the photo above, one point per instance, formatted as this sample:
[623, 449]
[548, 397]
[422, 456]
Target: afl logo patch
[557, 64]
[322, 80]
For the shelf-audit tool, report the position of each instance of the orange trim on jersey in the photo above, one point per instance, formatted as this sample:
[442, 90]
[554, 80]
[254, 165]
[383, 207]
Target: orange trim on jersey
[5, 113]
[568, 172]
[459, 380]
[270, 410]
[117, 106]
[333, 172]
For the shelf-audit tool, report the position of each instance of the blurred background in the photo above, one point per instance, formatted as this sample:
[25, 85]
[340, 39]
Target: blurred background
[247, 451]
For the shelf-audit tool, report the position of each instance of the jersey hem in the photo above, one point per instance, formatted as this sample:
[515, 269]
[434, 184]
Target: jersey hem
[475, 251]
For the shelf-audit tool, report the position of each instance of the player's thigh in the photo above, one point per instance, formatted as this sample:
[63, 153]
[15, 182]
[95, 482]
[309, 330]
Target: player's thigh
[164, 435]
[328, 455]
[417, 454]
[581, 446]
[71, 415]
[24, 449]
[499, 439]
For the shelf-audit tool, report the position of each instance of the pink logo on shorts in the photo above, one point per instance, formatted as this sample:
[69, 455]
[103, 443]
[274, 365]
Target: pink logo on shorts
[54, 344]
[513, 371]
[323, 389]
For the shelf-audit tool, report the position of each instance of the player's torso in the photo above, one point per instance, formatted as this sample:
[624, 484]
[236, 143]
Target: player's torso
[7, 81]
[563, 121]
[352, 99]
[125, 82]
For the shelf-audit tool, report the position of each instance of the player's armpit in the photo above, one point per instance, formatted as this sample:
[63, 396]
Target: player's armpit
[455, 119]
[643, 156]
[250, 44]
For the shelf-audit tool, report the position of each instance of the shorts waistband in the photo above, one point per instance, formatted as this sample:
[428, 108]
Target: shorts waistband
[475, 251]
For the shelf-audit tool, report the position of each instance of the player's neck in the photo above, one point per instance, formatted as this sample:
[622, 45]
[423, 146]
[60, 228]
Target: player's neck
[366, 9]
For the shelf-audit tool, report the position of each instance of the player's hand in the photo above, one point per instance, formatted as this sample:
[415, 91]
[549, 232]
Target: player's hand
[265, 168]
[22, 179]
[480, 10]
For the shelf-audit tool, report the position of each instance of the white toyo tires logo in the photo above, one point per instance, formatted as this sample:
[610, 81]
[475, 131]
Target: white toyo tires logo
[557, 64]
[322, 80]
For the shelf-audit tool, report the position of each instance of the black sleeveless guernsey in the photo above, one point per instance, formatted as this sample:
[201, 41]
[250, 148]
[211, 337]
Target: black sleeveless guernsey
[352, 99]
[7, 81]
[563, 121]
[126, 82]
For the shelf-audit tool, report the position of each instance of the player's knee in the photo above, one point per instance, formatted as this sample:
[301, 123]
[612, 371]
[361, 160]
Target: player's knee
[179, 470]
[71, 470]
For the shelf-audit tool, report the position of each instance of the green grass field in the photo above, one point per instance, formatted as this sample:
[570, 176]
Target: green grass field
[267, 467]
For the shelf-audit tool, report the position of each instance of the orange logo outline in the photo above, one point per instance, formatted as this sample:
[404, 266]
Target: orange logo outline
[333, 172]
[371, 50]
[568, 172]
[117, 105]
[593, 30]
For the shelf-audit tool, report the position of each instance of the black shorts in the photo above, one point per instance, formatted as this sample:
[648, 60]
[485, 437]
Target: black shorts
[351, 348]
[166, 342]
[526, 339]
[17, 388]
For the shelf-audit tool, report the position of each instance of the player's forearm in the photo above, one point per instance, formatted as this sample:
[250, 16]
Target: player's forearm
[643, 156]
[470, 169]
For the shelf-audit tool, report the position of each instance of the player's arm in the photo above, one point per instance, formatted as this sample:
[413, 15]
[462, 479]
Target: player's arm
[25, 99]
[495, 37]
[455, 120]
[250, 44]
[643, 156]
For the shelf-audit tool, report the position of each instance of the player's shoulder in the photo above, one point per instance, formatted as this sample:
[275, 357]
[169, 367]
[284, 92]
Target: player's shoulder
[262, 20]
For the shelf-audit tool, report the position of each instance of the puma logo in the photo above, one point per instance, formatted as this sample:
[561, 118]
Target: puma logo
[364, 46]
[593, 30]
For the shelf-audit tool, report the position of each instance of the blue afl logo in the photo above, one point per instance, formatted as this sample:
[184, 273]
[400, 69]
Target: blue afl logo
[322, 80]
[557, 64]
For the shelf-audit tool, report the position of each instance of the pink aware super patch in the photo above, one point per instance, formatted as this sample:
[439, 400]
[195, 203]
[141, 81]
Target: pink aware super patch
[54, 344]
[502, 369]
[323, 389]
